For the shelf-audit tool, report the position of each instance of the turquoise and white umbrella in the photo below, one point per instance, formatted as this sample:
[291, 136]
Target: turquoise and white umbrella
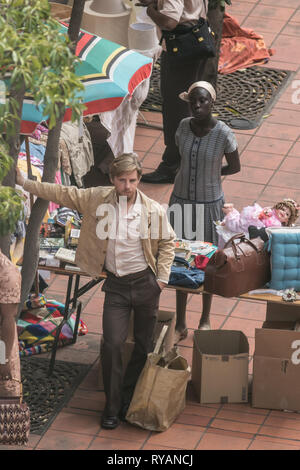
[109, 72]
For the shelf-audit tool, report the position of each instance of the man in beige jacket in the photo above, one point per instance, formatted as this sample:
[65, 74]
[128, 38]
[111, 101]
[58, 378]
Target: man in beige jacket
[128, 235]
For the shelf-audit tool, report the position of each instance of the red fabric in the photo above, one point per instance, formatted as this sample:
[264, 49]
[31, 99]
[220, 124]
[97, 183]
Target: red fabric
[82, 41]
[201, 262]
[97, 106]
[28, 127]
[94, 107]
[140, 75]
[240, 47]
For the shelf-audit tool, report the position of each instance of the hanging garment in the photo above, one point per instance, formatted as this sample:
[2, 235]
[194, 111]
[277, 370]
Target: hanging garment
[121, 123]
[80, 150]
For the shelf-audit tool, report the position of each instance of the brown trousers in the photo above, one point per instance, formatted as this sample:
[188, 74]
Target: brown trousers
[138, 292]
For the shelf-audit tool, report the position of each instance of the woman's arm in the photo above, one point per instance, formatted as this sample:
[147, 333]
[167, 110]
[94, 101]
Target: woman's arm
[233, 163]
[162, 21]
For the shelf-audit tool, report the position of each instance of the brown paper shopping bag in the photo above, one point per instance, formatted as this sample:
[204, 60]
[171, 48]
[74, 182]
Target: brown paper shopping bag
[159, 395]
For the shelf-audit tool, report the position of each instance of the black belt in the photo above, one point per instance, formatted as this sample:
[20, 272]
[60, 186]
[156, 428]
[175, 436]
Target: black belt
[199, 202]
[129, 277]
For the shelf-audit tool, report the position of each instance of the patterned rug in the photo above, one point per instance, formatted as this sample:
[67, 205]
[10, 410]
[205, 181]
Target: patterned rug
[44, 395]
[245, 95]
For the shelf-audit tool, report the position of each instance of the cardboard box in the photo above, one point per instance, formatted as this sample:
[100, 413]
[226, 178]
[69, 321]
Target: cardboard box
[279, 325]
[288, 312]
[281, 317]
[220, 366]
[276, 370]
[164, 317]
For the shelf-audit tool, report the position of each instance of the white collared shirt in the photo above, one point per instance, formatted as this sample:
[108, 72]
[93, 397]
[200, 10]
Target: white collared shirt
[182, 10]
[125, 253]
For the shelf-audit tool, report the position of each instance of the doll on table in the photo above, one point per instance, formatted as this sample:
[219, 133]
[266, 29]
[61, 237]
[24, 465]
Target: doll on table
[253, 220]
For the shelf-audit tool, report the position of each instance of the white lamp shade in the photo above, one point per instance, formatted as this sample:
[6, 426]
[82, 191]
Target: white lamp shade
[142, 36]
[109, 7]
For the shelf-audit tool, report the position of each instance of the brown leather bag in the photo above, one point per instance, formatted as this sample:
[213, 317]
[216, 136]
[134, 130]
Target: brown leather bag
[242, 265]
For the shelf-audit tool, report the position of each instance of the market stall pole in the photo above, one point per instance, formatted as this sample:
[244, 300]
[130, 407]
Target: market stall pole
[72, 305]
[72, 302]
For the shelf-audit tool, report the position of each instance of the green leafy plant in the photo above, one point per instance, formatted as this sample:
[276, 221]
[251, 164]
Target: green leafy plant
[11, 206]
[35, 53]
[5, 161]
[11, 209]
[35, 60]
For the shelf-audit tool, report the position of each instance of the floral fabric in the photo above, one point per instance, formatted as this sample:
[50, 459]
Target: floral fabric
[10, 281]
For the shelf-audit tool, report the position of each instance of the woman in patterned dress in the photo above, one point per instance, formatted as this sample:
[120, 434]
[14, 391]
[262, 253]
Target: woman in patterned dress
[197, 198]
[10, 290]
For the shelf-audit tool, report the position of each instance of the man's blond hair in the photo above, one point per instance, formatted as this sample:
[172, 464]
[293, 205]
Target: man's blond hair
[125, 163]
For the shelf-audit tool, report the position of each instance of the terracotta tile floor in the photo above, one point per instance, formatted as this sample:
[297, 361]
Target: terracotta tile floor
[270, 156]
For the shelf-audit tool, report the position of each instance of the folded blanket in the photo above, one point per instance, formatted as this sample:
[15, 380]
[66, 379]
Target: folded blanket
[37, 333]
[240, 47]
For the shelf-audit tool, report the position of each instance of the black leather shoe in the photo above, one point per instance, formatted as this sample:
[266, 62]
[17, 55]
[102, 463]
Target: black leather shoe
[109, 422]
[157, 177]
[255, 232]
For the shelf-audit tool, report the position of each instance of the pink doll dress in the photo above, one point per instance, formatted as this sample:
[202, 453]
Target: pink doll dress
[237, 222]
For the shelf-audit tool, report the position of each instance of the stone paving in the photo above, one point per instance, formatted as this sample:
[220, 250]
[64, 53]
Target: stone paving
[270, 157]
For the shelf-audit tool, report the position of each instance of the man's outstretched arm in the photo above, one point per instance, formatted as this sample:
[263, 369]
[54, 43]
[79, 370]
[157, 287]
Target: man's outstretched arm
[68, 196]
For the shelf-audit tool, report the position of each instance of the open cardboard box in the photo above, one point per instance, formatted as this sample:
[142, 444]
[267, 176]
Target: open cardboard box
[284, 315]
[220, 366]
[276, 369]
[276, 360]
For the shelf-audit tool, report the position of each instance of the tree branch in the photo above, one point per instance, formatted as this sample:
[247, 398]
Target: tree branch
[31, 247]
[75, 22]
[39, 208]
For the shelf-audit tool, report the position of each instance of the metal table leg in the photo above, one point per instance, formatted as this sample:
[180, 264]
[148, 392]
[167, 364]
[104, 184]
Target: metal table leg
[71, 299]
[65, 318]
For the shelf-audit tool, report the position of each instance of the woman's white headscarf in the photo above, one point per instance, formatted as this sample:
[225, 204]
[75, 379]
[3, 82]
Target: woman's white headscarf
[202, 84]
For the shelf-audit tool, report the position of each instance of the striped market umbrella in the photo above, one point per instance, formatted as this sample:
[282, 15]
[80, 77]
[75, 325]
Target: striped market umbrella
[109, 72]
